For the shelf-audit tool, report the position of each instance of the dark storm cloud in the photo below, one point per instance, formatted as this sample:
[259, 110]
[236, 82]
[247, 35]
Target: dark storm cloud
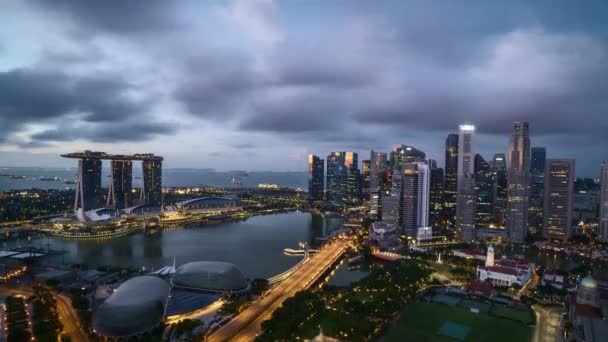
[105, 132]
[115, 16]
[234, 89]
[531, 75]
[361, 74]
[217, 85]
[31, 96]
[305, 112]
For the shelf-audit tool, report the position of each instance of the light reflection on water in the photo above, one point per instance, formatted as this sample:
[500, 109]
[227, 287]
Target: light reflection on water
[254, 245]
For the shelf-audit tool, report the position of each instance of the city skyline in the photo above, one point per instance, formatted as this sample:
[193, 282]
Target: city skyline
[239, 87]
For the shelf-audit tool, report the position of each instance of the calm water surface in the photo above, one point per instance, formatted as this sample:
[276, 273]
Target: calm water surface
[254, 245]
[29, 177]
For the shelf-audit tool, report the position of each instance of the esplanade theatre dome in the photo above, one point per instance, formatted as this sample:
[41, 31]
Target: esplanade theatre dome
[136, 307]
[213, 276]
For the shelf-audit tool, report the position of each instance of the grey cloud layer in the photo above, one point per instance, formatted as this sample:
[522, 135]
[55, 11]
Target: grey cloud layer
[394, 69]
[99, 105]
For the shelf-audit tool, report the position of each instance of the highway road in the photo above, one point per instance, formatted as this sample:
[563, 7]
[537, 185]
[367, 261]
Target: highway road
[247, 325]
[547, 323]
[69, 318]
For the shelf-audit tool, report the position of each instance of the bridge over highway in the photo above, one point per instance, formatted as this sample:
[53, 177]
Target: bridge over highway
[247, 325]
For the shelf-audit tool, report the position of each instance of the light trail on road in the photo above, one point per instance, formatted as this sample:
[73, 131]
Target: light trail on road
[247, 325]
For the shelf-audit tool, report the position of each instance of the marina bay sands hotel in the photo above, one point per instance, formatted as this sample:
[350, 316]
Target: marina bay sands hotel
[120, 191]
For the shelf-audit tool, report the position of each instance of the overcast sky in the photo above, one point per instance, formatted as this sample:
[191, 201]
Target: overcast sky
[258, 84]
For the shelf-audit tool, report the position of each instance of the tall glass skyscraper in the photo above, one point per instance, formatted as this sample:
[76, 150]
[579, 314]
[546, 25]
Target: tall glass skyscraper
[365, 179]
[436, 198]
[405, 154]
[415, 198]
[537, 192]
[88, 187]
[153, 182]
[499, 165]
[336, 178]
[518, 179]
[378, 165]
[603, 221]
[450, 188]
[316, 175]
[121, 186]
[484, 188]
[353, 189]
[466, 199]
[559, 188]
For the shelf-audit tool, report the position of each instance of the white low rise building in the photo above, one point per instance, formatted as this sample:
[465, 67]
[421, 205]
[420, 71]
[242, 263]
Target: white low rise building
[505, 271]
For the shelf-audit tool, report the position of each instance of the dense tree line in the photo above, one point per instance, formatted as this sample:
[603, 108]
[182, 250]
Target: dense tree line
[356, 313]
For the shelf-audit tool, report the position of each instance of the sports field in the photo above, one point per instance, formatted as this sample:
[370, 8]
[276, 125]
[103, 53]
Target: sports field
[423, 321]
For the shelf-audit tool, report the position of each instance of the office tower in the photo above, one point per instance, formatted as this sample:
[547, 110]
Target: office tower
[559, 187]
[378, 165]
[537, 192]
[432, 163]
[405, 154]
[585, 185]
[586, 200]
[450, 188]
[465, 204]
[88, 187]
[121, 184]
[365, 179]
[603, 219]
[352, 190]
[336, 178]
[153, 182]
[316, 174]
[415, 199]
[484, 189]
[390, 209]
[499, 165]
[436, 198]
[518, 182]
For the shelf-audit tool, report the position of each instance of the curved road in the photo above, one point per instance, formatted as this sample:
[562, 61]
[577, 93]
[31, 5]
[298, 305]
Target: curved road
[247, 325]
[69, 319]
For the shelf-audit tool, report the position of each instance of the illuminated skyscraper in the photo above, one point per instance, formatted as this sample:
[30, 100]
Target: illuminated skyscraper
[466, 200]
[377, 168]
[518, 182]
[390, 209]
[484, 189]
[415, 200]
[353, 189]
[365, 179]
[499, 165]
[559, 188]
[316, 174]
[537, 192]
[88, 187]
[336, 178]
[405, 154]
[153, 182]
[450, 188]
[436, 198]
[603, 221]
[121, 184]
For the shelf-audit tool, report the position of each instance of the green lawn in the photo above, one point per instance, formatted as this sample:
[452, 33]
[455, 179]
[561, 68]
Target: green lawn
[511, 313]
[421, 321]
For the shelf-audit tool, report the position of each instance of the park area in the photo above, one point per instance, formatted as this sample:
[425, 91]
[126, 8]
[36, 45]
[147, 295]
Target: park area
[452, 318]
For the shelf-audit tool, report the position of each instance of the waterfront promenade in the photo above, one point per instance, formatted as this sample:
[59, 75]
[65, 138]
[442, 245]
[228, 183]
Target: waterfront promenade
[247, 325]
